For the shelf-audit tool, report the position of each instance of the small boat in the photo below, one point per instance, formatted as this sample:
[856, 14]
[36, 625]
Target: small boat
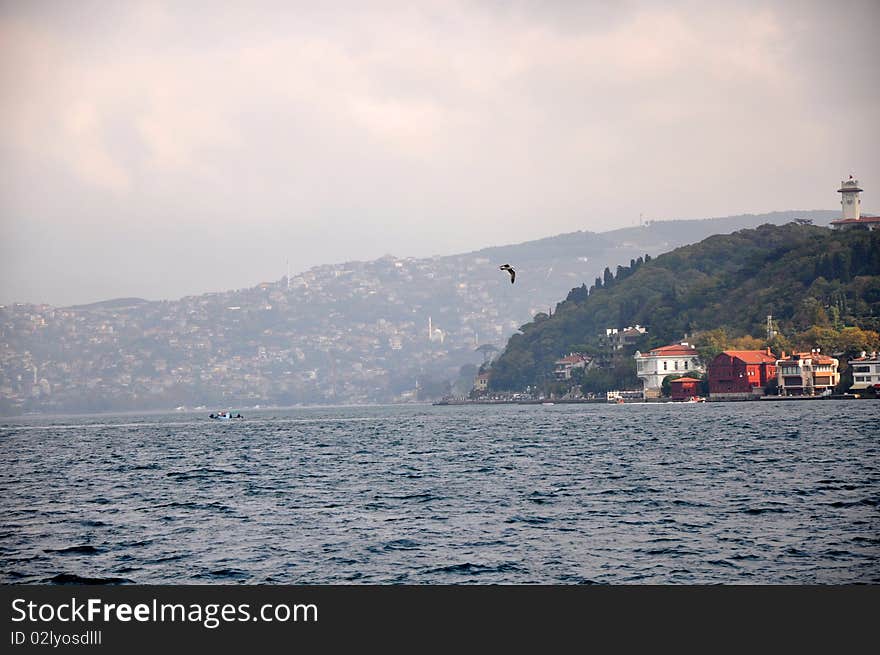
[225, 416]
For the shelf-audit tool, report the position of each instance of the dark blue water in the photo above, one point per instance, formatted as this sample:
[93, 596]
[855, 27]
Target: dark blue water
[761, 492]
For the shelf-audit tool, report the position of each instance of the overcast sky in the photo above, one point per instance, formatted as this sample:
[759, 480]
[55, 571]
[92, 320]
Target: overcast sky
[160, 149]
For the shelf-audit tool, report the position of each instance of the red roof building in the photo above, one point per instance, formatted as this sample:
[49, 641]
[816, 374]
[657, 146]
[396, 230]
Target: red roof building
[565, 366]
[740, 374]
[684, 388]
[850, 203]
[864, 222]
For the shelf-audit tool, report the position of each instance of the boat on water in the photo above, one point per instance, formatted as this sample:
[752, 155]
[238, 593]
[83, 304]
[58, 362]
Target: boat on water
[225, 416]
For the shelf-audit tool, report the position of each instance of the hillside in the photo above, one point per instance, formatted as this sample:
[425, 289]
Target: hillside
[353, 332]
[802, 275]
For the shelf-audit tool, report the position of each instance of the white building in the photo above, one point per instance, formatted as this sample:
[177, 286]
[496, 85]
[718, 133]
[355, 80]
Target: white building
[865, 371]
[655, 365]
[851, 205]
[628, 336]
[849, 198]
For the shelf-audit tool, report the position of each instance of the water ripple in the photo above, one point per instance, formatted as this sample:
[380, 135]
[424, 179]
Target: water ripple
[585, 494]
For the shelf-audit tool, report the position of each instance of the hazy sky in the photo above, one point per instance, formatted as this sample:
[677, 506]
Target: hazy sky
[161, 149]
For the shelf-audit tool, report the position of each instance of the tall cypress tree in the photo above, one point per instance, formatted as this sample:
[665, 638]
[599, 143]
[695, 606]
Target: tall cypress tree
[608, 277]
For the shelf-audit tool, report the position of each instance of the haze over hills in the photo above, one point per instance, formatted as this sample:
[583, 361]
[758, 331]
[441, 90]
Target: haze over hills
[385, 330]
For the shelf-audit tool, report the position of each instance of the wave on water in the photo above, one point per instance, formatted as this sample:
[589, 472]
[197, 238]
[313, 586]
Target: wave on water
[470, 568]
[75, 550]
[414, 494]
[223, 574]
[74, 579]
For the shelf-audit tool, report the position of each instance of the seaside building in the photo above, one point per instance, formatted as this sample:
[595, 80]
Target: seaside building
[684, 388]
[653, 366]
[865, 372]
[807, 374]
[740, 374]
[851, 206]
[628, 336]
[565, 366]
[481, 383]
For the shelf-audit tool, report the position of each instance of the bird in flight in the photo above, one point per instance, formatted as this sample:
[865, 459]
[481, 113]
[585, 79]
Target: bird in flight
[506, 267]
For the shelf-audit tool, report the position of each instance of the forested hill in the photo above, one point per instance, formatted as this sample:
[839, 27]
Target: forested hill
[804, 275]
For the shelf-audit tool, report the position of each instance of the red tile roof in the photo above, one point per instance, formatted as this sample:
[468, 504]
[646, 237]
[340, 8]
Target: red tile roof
[856, 221]
[684, 380]
[671, 351]
[816, 357]
[751, 356]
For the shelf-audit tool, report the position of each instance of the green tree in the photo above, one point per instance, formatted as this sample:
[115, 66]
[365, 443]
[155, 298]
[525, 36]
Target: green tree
[666, 387]
[779, 344]
[746, 342]
[710, 343]
[607, 278]
[598, 381]
[810, 313]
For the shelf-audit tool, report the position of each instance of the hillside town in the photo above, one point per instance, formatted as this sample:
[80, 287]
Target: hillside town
[388, 330]
[362, 332]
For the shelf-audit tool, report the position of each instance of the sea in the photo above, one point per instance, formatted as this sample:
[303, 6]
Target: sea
[764, 492]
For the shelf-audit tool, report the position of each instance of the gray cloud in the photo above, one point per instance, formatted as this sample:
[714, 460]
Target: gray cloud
[162, 149]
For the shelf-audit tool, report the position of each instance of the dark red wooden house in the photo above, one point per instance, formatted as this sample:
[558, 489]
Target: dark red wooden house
[740, 374]
[684, 388]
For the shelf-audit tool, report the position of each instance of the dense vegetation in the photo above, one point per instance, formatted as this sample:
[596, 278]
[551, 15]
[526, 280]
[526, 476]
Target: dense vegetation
[820, 286]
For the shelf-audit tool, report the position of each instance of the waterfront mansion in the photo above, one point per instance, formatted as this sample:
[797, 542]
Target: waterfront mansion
[653, 366]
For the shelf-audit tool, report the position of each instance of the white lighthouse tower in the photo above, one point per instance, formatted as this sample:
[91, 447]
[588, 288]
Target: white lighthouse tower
[849, 198]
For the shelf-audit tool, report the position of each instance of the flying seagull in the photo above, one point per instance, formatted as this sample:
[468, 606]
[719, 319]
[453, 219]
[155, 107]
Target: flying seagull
[506, 267]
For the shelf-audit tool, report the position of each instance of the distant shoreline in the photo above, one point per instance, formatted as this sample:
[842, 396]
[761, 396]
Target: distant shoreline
[652, 401]
[205, 412]
[436, 403]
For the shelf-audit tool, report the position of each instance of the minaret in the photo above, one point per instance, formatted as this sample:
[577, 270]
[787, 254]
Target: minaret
[849, 200]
